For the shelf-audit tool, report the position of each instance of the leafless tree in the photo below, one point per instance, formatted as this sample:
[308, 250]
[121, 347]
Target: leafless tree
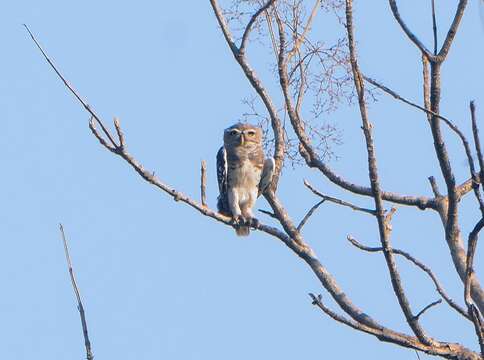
[330, 74]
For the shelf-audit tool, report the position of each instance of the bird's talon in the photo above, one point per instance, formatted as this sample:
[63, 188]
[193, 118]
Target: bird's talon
[254, 223]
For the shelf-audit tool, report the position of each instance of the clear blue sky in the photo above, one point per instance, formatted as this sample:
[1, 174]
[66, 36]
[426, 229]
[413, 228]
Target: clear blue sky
[158, 280]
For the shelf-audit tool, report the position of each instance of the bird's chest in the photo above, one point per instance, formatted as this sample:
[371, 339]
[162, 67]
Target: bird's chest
[244, 175]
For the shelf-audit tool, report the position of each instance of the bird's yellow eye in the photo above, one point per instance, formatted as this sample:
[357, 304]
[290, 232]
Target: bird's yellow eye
[251, 133]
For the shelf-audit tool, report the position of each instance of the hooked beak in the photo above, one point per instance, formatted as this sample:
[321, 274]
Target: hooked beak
[242, 139]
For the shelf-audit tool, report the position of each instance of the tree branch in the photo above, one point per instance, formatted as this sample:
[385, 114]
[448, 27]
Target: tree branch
[375, 186]
[80, 307]
[338, 201]
[437, 302]
[472, 309]
[203, 183]
[309, 214]
[434, 27]
[449, 351]
[251, 22]
[71, 89]
[299, 40]
[407, 31]
[452, 31]
[420, 265]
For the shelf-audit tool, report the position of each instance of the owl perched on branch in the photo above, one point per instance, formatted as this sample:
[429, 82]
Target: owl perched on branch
[243, 174]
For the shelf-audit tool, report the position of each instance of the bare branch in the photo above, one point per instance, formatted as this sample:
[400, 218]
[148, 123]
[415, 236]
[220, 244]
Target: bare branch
[427, 307]
[80, 307]
[452, 31]
[338, 201]
[119, 131]
[407, 31]
[422, 266]
[271, 214]
[203, 183]
[71, 89]
[477, 142]
[473, 310]
[375, 186]
[248, 28]
[434, 27]
[309, 214]
[426, 85]
[450, 351]
[435, 187]
[299, 40]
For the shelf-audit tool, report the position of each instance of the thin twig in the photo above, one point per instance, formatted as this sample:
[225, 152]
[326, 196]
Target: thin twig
[309, 214]
[80, 307]
[203, 183]
[449, 123]
[337, 201]
[71, 89]
[435, 187]
[472, 309]
[434, 27]
[437, 302]
[407, 31]
[419, 264]
[248, 28]
[271, 214]
[477, 142]
[299, 40]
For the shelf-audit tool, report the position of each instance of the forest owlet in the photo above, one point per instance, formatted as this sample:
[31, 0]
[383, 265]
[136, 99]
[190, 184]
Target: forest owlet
[243, 174]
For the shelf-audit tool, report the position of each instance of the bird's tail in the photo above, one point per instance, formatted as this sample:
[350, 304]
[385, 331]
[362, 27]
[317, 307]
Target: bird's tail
[242, 230]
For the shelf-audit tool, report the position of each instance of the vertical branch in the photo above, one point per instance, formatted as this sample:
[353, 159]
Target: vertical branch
[472, 309]
[434, 27]
[80, 307]
[203, 183]
[426, 85]
[383, 222]
[477, 142]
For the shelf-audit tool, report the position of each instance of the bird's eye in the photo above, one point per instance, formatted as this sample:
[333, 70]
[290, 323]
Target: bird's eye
[234, 132]
[251, 133]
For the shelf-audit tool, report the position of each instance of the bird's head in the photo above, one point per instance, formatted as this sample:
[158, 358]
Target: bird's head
[243, 135]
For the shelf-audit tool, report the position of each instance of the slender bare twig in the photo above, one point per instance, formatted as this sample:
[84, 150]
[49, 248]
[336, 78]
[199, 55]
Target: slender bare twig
[407, 31]
[248, 28]
[268, 213]
[444, 50]
[71, 89]
[388, 335]
[383, 227]
[337, 201]
[309, 214]
[203, 183]
[299, 40]
[434, 27]
[80, 307]
[477, 142]
[420, 313]
[419, 264]
[412, 104]
[434, 186]
[448, 122]
[472, 309]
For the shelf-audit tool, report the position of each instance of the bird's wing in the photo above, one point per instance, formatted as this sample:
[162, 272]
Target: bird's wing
[266, 177]
[222, 200]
